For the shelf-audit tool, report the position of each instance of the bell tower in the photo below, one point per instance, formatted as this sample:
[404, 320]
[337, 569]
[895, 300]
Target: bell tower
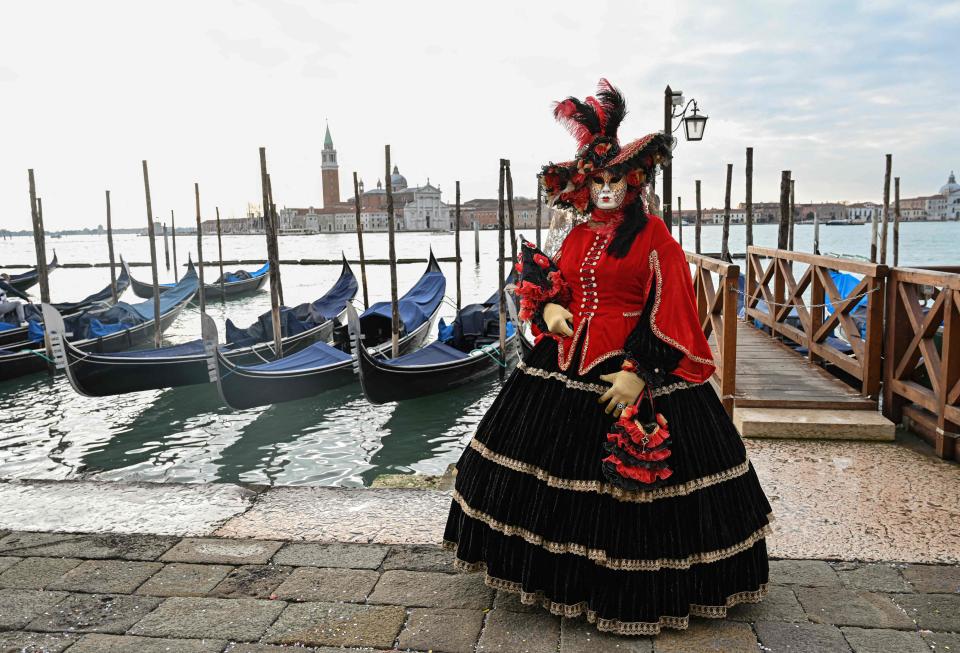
[330, 172]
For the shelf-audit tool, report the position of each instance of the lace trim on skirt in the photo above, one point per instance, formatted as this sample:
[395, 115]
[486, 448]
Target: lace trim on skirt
[600, 557]
[608, 625]
[634, 496]
[597, 388]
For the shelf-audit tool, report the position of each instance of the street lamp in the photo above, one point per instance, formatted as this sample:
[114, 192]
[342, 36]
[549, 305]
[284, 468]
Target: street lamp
[693, 127]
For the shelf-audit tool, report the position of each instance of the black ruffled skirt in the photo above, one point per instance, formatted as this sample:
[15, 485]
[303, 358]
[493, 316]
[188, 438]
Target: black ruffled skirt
[532, 509]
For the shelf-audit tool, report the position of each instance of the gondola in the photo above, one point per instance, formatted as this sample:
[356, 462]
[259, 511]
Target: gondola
[321, 366]
[27, 357]
[234, 284]
[464, 352]
[98, 375]
[30, 278]
[14, 334]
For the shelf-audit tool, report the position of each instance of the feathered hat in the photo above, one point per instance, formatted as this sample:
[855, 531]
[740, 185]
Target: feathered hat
[594, 123]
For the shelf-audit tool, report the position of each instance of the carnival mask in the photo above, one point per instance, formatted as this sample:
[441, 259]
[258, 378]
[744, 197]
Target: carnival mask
[607, 191]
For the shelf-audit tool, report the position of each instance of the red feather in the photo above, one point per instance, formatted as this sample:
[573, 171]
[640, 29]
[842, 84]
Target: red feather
[601, 114]
[564, 112]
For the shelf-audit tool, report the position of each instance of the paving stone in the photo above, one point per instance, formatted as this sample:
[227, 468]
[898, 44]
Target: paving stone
[131, 644]
[251, 581]
[22, 642]
[511, 601]
[8, 561]
[351, 556]
[427, 589]
[780, 604]
[577, 636]
[102, 546]
[808, 573]
[36, 573]
[20, 607]
[707, 635]
[783, 637]
[183, 579]
[337, 624]
[881, 640]
[942, 641]
[270, 648]
[107, 576]
[516, 632]
[932, 611]
[448, 630]
[933, 579]
[242, 620]
[842, 607]
[95, 613]
[222, 551]
[872, 577]
[312, 584]
[419, 557]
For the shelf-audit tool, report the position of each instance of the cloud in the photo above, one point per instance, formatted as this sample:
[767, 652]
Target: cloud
[251, 50]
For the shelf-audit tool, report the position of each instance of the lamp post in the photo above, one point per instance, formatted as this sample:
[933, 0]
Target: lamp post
[693, 127]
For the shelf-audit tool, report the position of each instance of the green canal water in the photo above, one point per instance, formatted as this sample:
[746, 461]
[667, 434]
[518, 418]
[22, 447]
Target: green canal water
[47, 431]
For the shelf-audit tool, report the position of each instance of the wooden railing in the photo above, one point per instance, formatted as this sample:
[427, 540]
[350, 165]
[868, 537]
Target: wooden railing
[776, 285]
[718, 316]
[933, 385]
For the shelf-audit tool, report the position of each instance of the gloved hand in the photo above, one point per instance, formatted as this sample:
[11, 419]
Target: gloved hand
[625, 389]
[556, 317]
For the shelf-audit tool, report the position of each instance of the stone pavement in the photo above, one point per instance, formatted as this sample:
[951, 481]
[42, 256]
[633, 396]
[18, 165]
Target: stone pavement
[150, 593]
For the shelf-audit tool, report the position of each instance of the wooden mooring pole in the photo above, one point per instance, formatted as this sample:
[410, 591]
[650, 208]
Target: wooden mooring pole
[748, 200]
[394, 306]
[886, 209]
[783, 230]
[271, 258]
[476, 241]
[113, 272]
[513, 232]
[157, 331]
[816, 233]
[725, 244]
[223, 292]
[539, 210]
[793, 219]
[39, 238]
[680, 220]
[274, 245]
[456, 242]
[166, 247]
[173, 238]
[363, 259]
[698, 223]
[896, 222]
[502, 313]
[203, 289]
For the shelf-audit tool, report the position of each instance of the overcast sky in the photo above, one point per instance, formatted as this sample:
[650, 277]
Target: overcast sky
[89, 89]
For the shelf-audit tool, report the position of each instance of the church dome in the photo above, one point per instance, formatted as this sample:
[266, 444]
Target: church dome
[397, 181]
[951, 186]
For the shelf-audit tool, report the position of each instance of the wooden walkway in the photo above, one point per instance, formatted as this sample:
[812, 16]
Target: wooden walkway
[771, 375]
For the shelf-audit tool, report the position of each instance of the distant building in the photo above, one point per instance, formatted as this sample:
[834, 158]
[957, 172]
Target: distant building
[485, 212]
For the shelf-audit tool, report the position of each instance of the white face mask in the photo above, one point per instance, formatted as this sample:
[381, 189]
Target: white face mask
[607, 191]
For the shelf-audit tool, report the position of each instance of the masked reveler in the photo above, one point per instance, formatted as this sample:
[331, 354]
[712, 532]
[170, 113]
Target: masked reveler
[607, 480]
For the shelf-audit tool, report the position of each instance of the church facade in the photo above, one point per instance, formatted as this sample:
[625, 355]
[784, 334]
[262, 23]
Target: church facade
[416, 208]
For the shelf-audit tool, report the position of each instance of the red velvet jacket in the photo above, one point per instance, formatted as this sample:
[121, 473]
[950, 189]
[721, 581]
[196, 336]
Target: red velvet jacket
[607, 296]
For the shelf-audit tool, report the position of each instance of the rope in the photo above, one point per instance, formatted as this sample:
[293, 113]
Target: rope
[496, 359]
[827, 305]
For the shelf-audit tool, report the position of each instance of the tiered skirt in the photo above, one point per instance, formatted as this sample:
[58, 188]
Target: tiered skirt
[532, 510]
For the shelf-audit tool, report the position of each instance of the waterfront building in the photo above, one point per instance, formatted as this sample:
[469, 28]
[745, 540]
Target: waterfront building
[485, 213]
[950, 192]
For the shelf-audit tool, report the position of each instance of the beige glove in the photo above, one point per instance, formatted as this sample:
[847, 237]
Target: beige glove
[624, 391]
[557, 317]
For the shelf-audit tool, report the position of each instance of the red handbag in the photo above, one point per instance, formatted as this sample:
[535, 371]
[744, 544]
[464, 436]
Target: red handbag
[638, 449]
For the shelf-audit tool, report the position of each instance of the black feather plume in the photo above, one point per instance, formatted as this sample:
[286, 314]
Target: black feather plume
[614, 105]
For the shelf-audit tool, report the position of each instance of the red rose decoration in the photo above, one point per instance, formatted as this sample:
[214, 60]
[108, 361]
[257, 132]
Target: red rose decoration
[602, 148]
[635, 177]
[518, 267]
[541, 260]
[527, 243]
[578, 178]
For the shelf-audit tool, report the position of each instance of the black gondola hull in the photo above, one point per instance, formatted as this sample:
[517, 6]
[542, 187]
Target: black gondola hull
[211, 290]
[30, 278]
[100, 377]
[383, 383]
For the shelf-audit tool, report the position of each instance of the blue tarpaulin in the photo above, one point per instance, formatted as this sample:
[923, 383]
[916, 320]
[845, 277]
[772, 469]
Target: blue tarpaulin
[416, 306]
[319, 354]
